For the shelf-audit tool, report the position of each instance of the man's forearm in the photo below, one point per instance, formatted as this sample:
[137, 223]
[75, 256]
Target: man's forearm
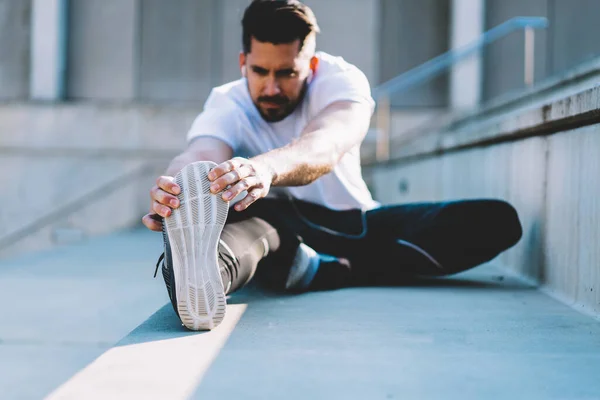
[337, 129]
[187, 157]
[178, 163]
[204, 149]
[302, 161]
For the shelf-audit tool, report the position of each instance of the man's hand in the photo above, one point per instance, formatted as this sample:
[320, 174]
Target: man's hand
[163, 200]
[238, 175]
[163, 194]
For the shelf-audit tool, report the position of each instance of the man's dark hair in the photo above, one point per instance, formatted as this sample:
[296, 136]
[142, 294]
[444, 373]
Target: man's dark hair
[277, 22]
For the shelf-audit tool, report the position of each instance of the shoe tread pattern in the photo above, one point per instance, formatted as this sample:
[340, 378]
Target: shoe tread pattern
[194, 229]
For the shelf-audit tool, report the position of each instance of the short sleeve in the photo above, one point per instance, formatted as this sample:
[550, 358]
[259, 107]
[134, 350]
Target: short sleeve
[348, 85]
[219, 119]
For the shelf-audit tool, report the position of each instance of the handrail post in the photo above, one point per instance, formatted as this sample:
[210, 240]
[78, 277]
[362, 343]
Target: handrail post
[529, 56]
[383, 129]
[436, 65]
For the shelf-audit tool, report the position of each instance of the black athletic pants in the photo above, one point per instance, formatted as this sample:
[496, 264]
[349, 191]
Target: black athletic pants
[437, 238]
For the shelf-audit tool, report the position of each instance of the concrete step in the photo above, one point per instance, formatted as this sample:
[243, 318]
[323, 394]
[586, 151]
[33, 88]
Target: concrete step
[477, 335]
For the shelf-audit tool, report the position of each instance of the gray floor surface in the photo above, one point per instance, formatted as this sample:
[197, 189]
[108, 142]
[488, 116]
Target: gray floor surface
[61, 309]
[478, 335]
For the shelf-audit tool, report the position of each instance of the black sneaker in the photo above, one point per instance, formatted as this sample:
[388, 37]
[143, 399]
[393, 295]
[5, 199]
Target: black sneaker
[191, 263]
[167, 269]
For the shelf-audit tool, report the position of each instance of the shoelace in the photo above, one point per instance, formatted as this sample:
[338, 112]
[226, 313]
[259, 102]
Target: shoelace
[161, 258]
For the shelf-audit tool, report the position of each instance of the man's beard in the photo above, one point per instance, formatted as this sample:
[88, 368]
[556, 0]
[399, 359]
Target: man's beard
[286, 106]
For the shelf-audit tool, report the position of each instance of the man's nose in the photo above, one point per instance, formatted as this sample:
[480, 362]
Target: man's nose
[272, 87]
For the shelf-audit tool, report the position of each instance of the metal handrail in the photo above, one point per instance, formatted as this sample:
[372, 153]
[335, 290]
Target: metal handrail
[438, 64]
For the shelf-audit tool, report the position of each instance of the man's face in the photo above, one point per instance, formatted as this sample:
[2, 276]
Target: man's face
[277, 76]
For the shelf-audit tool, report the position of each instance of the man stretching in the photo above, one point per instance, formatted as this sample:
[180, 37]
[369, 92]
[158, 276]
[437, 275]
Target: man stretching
[282, 145]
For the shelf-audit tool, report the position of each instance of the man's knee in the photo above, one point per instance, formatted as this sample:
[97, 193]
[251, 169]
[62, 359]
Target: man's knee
[507, 219]
[495, 219]
[502, 222]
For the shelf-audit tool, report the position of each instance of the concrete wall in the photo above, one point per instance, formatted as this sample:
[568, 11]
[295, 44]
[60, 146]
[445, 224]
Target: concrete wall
[412, 32]
[180, 49]
[102, 49]
[573, 218]
[231, 32]
[81, 170]
[574, 31]
[353, 36]
[15, 18]
[542, 157]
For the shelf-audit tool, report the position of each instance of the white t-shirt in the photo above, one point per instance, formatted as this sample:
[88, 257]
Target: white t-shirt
[230, 115]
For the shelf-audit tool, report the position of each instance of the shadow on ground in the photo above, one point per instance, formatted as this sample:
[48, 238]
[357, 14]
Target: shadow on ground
[164, 324]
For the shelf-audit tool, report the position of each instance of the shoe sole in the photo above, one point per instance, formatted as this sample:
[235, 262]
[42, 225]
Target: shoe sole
[194, 229]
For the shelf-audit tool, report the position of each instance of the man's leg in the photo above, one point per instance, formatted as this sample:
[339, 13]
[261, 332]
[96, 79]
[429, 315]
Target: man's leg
[433, 239]
[296, 258]
[400, 241]
[243, 244]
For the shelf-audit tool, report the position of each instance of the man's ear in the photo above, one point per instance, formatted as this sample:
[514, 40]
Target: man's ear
[243, 63]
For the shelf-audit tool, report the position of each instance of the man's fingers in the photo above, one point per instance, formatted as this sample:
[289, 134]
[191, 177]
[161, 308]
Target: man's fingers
[232, 177]
[160, 209]
[225, 167]
[163, 199]
[252, 196]
[159, 195]
[244, 184]
[167, 183]
[152, 223]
